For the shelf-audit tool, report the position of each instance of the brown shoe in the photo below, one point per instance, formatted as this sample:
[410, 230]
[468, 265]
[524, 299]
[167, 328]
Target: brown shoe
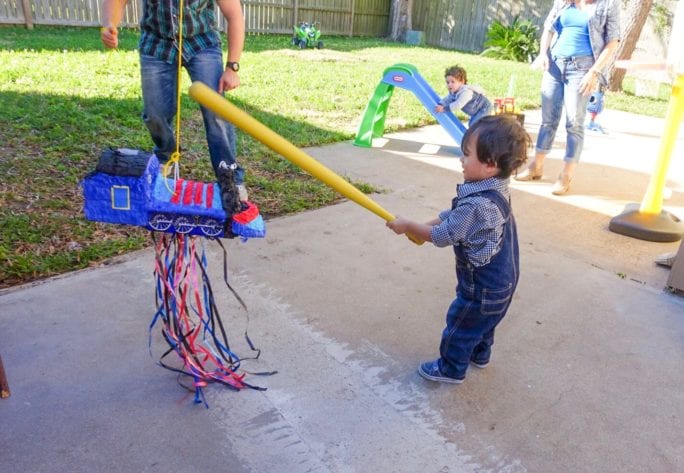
[530, 173]
[562, 184]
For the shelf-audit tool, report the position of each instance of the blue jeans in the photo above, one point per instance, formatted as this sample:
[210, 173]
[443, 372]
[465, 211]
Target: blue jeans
[560, 87]
[159, 81]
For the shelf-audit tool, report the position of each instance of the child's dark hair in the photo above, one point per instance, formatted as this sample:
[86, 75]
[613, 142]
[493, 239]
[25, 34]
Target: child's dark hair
[500, 140]
[458, 73]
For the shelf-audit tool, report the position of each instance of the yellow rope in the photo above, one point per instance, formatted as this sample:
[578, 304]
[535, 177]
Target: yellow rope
[175, 156]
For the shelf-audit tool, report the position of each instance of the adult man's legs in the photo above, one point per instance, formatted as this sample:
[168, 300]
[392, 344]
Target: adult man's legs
[158, 80]
[207, 67]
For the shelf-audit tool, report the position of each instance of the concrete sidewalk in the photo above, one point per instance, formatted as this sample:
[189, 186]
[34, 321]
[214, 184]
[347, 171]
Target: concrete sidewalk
[586, 372]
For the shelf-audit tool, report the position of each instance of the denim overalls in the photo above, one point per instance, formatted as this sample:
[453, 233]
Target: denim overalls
[479, 106]
[483, 295]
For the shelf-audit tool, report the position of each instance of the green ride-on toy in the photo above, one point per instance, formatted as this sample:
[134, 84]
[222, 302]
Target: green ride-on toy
[307, 35]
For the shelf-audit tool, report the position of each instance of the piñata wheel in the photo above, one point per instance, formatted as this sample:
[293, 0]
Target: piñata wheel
[210, 226]
[160, 222]
[183, 224]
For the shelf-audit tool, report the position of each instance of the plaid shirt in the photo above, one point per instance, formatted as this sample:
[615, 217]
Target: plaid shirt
[159, 28]
[475, 223]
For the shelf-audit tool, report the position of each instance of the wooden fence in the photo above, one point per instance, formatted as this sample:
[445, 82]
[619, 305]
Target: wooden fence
[462, 24]
[450, 24]
[334, 17]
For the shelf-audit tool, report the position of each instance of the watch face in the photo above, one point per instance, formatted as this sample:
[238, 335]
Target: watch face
[234, 66]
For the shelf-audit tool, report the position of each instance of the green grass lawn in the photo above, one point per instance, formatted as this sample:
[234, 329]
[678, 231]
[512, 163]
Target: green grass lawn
[63, 99]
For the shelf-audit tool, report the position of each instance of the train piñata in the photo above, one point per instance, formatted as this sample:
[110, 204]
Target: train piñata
[128, 188]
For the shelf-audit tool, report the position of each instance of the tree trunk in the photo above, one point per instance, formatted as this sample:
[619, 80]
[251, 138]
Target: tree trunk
[632, 24]
[400, 19]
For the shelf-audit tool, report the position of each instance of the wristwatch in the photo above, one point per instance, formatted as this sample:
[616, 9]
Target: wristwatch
[235, 66]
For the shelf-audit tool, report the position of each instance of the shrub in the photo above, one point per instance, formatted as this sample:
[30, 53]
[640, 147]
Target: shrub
[517, 42]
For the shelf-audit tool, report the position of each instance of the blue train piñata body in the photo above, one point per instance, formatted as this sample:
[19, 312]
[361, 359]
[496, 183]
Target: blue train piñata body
[128, 188]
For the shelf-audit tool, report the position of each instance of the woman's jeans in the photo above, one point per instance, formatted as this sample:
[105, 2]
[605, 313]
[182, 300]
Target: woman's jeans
[159, 80]
[560, 87]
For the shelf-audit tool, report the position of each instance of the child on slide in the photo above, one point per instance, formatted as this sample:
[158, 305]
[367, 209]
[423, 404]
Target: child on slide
[469, 99]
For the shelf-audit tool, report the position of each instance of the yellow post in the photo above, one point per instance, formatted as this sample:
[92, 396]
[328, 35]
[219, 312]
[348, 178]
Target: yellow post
[222, 107]
[649, 221]
[653, 199]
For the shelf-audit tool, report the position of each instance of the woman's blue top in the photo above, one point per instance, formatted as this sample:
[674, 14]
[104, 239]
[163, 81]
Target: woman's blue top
[573, 38]
[604, 22]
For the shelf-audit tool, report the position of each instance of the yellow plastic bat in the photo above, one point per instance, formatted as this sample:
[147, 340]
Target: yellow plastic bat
[241, 119]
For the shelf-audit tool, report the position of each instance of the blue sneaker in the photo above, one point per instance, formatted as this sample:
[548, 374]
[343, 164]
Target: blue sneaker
[479, 364]
[430, 370]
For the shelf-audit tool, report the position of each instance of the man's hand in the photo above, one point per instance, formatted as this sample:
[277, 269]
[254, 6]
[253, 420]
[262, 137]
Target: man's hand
[110, 37]
[235, 33]
[229, 80]
[439, 108]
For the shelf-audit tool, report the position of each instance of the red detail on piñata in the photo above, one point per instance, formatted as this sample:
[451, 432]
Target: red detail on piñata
[187, 195]
[177, 192]
[199, 190]
[247, 215]
[210, 196]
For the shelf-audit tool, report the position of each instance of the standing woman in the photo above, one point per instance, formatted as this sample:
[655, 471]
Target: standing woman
[585, 34]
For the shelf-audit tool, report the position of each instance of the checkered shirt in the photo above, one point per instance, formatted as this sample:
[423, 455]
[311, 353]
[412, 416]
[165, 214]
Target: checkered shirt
[476, 223]
[159, 28]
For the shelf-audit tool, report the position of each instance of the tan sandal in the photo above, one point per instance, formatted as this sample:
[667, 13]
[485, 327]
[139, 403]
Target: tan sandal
[531, 173]
[562, 185]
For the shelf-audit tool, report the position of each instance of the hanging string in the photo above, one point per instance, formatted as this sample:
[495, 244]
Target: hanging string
[175, 156]
[189, 318]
